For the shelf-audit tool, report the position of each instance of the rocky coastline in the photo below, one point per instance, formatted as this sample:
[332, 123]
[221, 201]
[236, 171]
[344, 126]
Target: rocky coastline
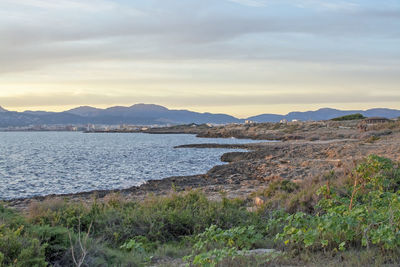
[319, 148]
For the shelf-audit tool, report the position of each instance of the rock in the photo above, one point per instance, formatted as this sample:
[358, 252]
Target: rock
[260, 251]
[259, 200]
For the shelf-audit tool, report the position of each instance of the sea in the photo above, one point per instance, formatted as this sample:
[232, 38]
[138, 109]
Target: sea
[43, 163]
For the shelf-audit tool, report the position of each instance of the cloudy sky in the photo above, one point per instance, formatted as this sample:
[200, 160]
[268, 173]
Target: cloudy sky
[242, 57]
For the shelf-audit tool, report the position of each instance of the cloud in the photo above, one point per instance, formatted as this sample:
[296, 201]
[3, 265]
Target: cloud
[230, 42]
[196, 100]
[45, 35]
[193, 23]
[252, 3]
[87, 5]
[314, 4]
[328, 5]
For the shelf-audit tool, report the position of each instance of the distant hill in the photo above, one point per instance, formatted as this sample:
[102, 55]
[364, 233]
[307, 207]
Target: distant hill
[85, 111]
[149, 114]
[12, 118]
[38, 112]
[141, 114]
[326, 114]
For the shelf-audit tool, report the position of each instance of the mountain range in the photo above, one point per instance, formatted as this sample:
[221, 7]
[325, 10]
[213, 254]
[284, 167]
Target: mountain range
[326, 114]
[149, 114]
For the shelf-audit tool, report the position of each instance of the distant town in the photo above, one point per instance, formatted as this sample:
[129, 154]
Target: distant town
[98, 127]
[155, 128]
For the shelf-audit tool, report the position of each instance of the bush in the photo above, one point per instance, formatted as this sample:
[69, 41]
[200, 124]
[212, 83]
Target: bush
[17, 246]
[292, 197]
[123, 232]
[55, 238]
[139, 244]
[367, 215]
[357, 116]
[160, 219]
[215, 244]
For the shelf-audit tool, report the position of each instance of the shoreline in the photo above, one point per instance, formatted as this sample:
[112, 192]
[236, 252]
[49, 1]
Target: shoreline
[250, 171]
[211, 182]
[151, 186]
[244, 146]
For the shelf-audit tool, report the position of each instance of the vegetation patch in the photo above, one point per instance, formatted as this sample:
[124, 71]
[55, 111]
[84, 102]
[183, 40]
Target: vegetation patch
[331, 220]
[363, 214]
[357, 116]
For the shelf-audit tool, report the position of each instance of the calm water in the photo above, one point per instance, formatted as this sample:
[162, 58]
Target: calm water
[41, 163]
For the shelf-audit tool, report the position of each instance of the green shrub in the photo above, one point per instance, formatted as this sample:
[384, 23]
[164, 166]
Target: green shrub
[159, 219]
[139, 244]
[367, 215]
[239, 237]
[55, 238]
[137, 229]
[215, 244]
[64, 214]
[170, 218]
[357, 116]
[19, 249]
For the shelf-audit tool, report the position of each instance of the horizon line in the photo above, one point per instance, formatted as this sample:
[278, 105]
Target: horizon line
[186, 109]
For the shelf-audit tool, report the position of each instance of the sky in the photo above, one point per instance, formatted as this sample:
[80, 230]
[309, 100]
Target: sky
[241, 57]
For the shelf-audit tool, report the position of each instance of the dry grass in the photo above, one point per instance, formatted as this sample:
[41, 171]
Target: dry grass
[114, 199]
[300, 195]
[390, 125]
[36, 209]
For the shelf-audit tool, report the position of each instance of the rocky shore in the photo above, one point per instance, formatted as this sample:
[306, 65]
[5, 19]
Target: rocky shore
[306, 151]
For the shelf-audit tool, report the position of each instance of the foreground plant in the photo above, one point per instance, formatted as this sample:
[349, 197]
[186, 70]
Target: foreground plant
[214, 244]
[363, 214]
[17, 246]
